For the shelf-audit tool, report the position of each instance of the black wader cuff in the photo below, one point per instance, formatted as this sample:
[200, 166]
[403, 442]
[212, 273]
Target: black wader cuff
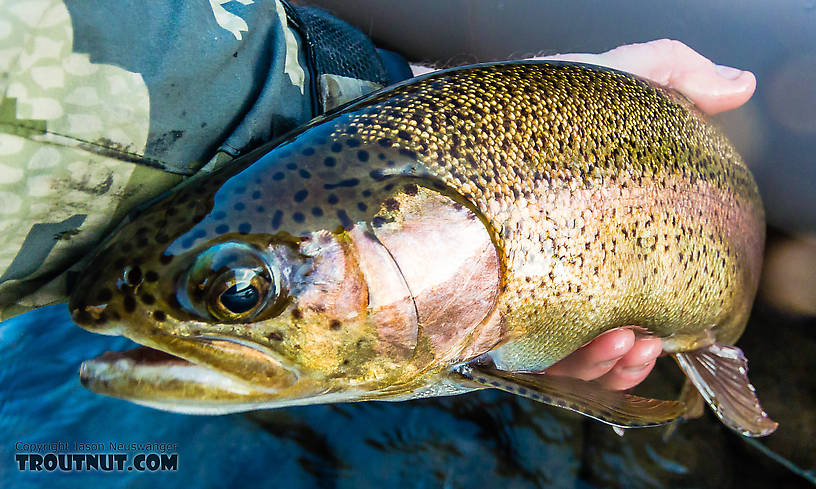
[334, 47]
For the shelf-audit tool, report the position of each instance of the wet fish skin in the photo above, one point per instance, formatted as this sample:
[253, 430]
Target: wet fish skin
[590, 200]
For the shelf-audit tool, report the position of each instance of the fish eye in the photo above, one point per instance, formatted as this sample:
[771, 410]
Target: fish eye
[231, 282]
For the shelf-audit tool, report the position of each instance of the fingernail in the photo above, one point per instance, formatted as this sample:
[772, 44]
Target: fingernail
[607, 363]
[636, 369]
[728, 72]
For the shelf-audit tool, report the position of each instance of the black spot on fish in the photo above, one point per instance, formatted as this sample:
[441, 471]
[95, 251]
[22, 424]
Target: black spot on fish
[308, 151]
[260, 208]
[239, 206]
[408, 153]
[148, 298]
[362, 155]
[199, 233]
[276, 219]
[344, 219]
[366, 193]
[301, 195]
[187, 243]
[298, 217]
[362, 206]
[129, 304]
[353, 142]
[349, 182]
[392, 204]
[333, 199]
[244, 228]
[165, 258]
[291, 166]
[336, 148]
[240, 190]
[317, 211]
[104, 295]
[304, 174]
[335, 324]
[151, 276]
[218, 215]
[278, 176]
[159, 316]
[256, 195]
[495, 384]
[411, 189]
[329, 161]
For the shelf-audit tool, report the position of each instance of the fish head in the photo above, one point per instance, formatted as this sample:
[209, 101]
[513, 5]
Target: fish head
[248, 290]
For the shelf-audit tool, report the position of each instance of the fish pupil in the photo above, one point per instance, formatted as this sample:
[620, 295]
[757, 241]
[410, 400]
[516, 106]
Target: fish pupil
[240, 298]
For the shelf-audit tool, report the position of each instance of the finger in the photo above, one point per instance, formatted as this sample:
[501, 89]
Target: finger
[711, 87]
[597, 357]
[635, 366]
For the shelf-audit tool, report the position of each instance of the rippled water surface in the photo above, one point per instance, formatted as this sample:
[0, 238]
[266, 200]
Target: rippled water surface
[486, 439]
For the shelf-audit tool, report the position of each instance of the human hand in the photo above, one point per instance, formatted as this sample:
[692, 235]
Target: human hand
[621, 359]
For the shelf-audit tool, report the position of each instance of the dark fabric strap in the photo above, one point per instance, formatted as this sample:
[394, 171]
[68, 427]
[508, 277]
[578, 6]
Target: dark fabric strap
[337, 48]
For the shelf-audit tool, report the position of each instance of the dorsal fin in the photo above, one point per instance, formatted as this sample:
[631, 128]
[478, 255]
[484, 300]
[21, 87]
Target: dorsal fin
[719, 372]
[616, 408]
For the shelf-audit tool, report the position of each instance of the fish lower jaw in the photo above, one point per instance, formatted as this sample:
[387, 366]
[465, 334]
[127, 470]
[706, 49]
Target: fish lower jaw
[163, 381]
[152, 377]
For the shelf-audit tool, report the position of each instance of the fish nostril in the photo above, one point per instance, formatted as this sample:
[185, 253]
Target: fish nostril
[132, 276]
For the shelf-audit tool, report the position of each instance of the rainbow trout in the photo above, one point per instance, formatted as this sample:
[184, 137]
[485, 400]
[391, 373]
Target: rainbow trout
[461, 230]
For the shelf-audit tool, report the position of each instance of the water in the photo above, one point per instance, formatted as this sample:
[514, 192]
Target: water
[484, 439]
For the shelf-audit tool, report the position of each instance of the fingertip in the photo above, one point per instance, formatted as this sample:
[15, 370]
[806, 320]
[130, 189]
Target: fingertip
[646, 349]
[622, 377]
[714, 93]
[611, 344]
[597, 357]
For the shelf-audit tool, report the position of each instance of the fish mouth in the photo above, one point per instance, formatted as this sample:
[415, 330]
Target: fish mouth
[189, 375]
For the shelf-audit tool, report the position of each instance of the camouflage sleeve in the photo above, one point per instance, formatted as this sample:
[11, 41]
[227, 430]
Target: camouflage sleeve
[103, 106]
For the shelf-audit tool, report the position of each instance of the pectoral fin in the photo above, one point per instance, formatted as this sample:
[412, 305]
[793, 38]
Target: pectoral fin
[719, 372]
[616, 408]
